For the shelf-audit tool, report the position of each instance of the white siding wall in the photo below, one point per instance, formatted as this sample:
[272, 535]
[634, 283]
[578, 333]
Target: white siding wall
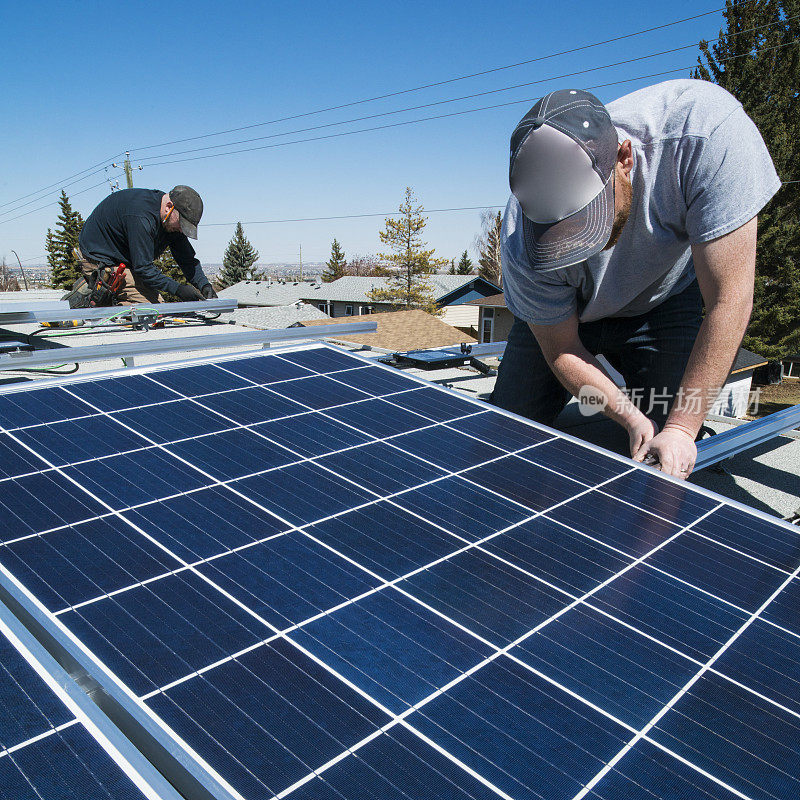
[462, 316]
[734, 398]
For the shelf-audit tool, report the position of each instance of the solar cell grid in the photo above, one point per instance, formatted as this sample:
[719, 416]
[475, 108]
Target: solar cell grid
[504, 621]
[44, 751]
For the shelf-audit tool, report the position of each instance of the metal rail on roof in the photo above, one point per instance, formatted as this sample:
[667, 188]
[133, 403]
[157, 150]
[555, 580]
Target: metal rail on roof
[723, 445]
[137, 312]
[128, 351]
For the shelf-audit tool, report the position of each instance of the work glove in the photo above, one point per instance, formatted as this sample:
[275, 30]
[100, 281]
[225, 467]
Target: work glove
[208, 292]
[186, 293]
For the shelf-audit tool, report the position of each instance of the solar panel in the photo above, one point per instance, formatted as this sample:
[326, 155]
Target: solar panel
[323, 578]
[45, 750]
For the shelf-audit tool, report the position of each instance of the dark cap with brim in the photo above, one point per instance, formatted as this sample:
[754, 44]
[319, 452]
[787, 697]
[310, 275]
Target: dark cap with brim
[189, 206]
[573, 239]
[563, 156]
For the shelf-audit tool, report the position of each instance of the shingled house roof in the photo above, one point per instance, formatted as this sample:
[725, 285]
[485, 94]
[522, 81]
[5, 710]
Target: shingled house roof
[354, 289]
[401, 331]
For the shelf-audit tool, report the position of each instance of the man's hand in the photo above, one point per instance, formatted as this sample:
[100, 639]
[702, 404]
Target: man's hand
[187, 293]
[675, 450]
[641, 431]
[208, 292]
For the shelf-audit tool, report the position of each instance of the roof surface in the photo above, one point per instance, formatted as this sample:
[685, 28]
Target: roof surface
[354, 289]
[268, 317]
[266, 293]
[402, 330]
[496, 300]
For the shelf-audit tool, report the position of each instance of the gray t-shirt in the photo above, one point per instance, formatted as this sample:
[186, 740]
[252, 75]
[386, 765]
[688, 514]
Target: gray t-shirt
[701, 170]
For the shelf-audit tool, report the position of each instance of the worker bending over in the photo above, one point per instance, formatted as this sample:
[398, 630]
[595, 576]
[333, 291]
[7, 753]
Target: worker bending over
[133, 227]
[622, 224]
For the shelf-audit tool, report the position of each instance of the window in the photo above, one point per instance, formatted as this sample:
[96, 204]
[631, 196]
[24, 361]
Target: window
[365, 310]
[324, 307]
[487, 326]
[348, 311]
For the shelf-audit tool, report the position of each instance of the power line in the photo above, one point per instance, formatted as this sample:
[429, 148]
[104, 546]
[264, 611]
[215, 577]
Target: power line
[445, 116]
[53, 202]
[463, 97]
[431, 104]
[62, 182]
[347, 216]
[431, 85]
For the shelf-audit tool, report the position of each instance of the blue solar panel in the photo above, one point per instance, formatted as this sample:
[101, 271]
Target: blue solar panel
[44, 751]
[332, 580]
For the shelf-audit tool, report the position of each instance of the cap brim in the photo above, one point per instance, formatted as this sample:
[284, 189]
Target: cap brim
[573, 239]
[187, 228]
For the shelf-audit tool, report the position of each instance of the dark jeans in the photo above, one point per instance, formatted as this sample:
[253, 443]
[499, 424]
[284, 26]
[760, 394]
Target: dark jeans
[651, 351]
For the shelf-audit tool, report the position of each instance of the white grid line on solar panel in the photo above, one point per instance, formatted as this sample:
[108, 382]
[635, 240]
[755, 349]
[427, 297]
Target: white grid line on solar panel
[504, 651]
[669, 706]
[668, 574]
[724, 601]
[178, 395]
[244, 607]
[195, 490]
[662, 571]
[587, 490]
[78, 718]
[235, 426]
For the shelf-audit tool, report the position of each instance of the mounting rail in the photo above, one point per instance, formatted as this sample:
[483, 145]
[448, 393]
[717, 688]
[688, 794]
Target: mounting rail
[128, 351]
[743, 437]
[219, 305]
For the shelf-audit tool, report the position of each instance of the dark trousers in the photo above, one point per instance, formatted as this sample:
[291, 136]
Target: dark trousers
[651, 351]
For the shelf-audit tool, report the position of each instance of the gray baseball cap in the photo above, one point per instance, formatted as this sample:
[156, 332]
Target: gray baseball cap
[190, 207]
[563, 153]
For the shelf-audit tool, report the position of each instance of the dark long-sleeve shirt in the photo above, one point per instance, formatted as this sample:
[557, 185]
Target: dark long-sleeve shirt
[126, 228]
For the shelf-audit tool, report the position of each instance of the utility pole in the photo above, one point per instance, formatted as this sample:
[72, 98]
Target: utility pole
[301, 262]
[24, 279]
[126, 165]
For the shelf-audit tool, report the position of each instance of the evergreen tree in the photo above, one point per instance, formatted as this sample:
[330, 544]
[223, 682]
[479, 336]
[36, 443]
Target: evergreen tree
[408, 285]
[487, 244]
[237, 263]
[169, 266]
[64, 264]
[50, 249]
[336, 264]
[464, 266]
[763, 73]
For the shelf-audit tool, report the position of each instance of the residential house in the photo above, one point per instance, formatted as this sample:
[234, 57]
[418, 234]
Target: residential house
[494, 318]
[350, 296]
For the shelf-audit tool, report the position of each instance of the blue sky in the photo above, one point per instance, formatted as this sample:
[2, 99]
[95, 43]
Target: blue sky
[84, 81]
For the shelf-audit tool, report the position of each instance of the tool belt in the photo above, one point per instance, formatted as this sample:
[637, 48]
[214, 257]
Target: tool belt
[99, 291]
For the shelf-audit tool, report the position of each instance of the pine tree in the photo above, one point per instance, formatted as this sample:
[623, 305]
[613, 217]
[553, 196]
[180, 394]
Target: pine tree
[408, 286]
[50, 249]
[487, 244]
[64, 264]
[169, 266]
[237, 263]
[464, 266]
[763, 73]
[336, 264]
